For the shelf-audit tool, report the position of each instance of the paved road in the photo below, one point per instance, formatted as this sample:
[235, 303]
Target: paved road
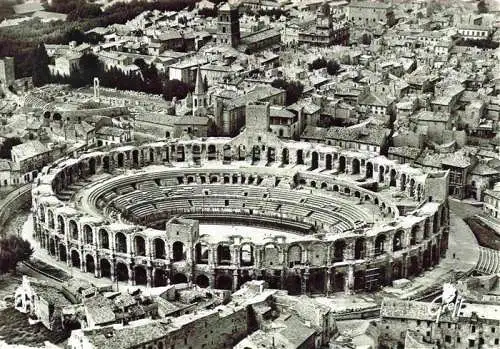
[463, 210]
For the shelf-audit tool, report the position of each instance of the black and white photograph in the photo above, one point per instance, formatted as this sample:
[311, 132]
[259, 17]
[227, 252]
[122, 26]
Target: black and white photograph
[249, 174]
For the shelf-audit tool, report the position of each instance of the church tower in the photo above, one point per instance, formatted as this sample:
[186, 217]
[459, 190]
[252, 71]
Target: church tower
[199, 96]
[228, 25]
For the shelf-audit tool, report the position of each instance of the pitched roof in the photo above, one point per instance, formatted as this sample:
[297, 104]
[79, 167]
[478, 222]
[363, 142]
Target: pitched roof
[28, 150]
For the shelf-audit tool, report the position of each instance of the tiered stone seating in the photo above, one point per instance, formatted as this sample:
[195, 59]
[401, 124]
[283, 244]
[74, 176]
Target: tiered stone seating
[489, 261]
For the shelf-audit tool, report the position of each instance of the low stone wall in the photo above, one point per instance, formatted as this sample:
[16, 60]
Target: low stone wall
[15, 200]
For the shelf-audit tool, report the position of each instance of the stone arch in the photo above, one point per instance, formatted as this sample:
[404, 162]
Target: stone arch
[73, 230]
[89, 263]
[223, 254]
[106, 164]
[255, 154]
[318, 256]
[316, 282]
[338, 250]
[313, 184]
[151, 155]
[140, 275]
[359, 248]
[328, 161]
[227, 153]
[224, 282]
[412, 187]
[380, 244]
[285, 156]
[105, 268]
[355, 166]
[414, 234]
[88, 236]
[342, 164]
[369, 170]
[120, 242]
[300, 157]
[242, 152]
[246, 255]
[324, 185]
[381, 174]
[403, 182]
[63, 255]
[159, 278]
[75, 259]
[397, 241]
[211, 152]
[201, 253]
[92, 166]
[159, 248]
[293, 284]
[52, 246]
[121, 160]
[50, 219]
[270, 255]
[60, 225]
[103, 238]
[397, 270]
[181, 154]
[202, 281]
[139, 245]
[314, 160]
[295, 254]
[392, 181]
[178, 253]
[121, 271]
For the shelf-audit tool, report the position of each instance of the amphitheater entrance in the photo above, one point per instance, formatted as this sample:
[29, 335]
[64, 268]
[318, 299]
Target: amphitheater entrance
[178, 251]
[135, 157]
[75, 259]
[314, 160]
[392, 181]
[121, 159]
[197, 154]
[359, 280]
[105, 268]
[211, 152]
[224, 282]
[413, 267]
[338, 282]
[202, 281]
[355, 166]
[92, 166]
[255, 154]
[397, 270]
[435, 257]
[300, 157]
[338, 251]
[89, 264]
[244, 277]
[227, 154]
[359, 249]
[426, 260]
[140, 276]
[179, 278]
[62, 253]
[271, 155]
[273, 278]
[160, 278]
[317, 282]
[369, 170]
[181, 156]
[342, 164]
[121, 271]
[105, 164]
[328, 162]
[159, 248]
[293, 284]
[285, 156]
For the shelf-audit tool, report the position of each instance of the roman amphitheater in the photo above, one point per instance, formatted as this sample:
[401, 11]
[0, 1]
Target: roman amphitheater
[217, 212]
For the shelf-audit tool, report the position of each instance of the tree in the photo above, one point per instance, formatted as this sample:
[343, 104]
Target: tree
[332, 67]
[41, 72]
[5, 149]
[175, 88]
[13, 250]
[293, 89]
[318, 63]
[482, 7]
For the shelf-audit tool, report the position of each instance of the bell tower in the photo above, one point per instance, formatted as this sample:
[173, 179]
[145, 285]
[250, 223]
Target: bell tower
[228, 25]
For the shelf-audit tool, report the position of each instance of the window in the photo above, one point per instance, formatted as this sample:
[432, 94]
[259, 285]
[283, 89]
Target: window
[471, 343]
[497, 341]
[493, 330]
[447, 338]
[473, 329]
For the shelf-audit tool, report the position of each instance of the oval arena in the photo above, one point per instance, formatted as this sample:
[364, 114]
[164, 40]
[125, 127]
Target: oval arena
[305, 217]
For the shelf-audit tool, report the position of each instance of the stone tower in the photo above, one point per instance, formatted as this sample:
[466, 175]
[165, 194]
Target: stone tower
[199, 96]
[228, 25]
